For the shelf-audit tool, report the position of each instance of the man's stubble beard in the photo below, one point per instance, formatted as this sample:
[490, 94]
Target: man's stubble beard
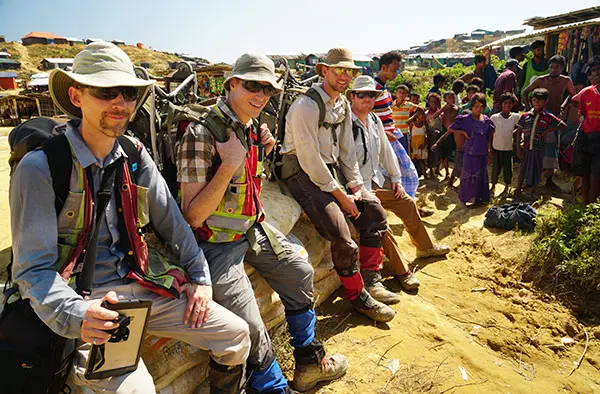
[114, 130]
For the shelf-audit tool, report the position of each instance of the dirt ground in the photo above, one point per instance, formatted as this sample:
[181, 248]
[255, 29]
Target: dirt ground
[473, 327]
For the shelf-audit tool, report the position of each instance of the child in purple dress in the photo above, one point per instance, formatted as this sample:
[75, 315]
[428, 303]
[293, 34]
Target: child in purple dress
[477, 128]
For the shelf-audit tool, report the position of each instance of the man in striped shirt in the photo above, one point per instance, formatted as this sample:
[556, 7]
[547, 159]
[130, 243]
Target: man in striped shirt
[389, 64]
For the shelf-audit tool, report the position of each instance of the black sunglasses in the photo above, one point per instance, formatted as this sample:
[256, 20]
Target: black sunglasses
[129, 93]
[255, 87]
[362, 95]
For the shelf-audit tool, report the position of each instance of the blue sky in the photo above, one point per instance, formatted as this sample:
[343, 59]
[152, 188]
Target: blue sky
[220, 30]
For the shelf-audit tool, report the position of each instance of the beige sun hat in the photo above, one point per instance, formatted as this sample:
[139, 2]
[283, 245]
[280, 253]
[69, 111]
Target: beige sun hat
[254, 67]
[364, 83]
[337, 57]
[100, 64]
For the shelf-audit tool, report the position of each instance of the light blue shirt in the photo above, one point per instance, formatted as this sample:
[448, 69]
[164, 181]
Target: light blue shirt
[34, 233]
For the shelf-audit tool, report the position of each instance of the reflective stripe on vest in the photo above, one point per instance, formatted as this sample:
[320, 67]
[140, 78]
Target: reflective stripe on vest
[240, 208]
[74, 224]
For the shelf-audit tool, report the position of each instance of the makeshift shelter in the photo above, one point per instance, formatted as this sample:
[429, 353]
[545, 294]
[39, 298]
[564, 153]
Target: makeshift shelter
[74, 40]
[211, 78]
[575, 35]
[9, 64]
[51, 63]
[36, 37]
[22, 107]
[39, 82]
[439, 60]
[8, 80]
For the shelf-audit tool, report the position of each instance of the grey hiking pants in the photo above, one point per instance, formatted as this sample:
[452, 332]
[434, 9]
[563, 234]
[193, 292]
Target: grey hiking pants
[291, 276]
[224, 335]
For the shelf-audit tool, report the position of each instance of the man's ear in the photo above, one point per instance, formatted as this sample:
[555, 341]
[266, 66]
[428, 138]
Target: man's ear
[75, 96]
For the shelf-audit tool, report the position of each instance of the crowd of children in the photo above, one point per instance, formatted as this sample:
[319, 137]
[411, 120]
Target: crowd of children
[472, 133]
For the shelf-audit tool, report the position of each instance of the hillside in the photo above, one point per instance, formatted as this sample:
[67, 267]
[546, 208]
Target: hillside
[453, 45]
[31, 56]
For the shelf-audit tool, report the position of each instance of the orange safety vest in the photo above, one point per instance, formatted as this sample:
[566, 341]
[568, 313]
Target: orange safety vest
[240, 208]
[75, 222]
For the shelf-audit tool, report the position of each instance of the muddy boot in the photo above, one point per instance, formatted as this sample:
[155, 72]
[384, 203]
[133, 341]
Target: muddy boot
[225, 379]
[435, 250]
[377, 290]
[408, 281]
[308, 376]
[374, 309]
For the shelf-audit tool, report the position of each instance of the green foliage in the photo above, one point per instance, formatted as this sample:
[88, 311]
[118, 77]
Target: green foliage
[422, 81]
[567, 246]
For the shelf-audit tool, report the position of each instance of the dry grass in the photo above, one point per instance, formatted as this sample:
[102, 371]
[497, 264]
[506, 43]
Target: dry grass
[31, 56]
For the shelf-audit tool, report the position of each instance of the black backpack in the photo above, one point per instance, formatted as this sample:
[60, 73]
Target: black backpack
[34, 359]
[510, 216]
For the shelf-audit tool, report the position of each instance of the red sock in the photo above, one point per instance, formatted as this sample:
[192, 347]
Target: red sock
[371, 258]
[352, 285]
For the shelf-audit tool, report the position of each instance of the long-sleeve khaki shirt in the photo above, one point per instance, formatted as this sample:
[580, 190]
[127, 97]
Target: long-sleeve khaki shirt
[314, 145]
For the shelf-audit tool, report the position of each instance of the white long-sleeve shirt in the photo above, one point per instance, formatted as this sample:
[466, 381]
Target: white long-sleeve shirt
[314, 145]
[379, 153]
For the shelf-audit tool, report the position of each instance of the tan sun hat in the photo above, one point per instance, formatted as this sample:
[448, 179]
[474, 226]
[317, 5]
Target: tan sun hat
[254, 67]
[337, 57]
[364, 83]
[100, 64]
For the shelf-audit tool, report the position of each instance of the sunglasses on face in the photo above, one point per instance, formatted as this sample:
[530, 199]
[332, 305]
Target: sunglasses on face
[255, 87]
[362, 95]
[352, 73]
[129, 93]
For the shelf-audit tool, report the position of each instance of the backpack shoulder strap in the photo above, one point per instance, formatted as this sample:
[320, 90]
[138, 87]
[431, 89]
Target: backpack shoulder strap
[60, 161]
[316, 97]
[219, 127]
[133, 149]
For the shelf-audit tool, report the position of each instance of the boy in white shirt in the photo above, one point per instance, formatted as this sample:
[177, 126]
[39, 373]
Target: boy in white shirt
[502, 141]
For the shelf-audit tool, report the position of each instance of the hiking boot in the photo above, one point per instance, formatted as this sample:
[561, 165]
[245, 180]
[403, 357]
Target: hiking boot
[308, 376]
[409, 282]
[376, 289]
[435, 250]
[372, 308]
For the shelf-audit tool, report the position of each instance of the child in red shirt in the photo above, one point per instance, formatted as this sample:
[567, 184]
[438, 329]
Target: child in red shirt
[586, 155]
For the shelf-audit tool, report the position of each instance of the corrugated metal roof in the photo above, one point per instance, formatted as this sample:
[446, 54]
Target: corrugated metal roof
[8, 74]
[58, 60]
[8, 61]
[561, 19]
[41, 34]
[443, 55]
[361, 58]
[541, 32]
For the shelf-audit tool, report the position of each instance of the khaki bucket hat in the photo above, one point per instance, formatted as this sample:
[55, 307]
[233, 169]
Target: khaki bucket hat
[364, 83]
[337, 57]
[100, 64]
[254, 67]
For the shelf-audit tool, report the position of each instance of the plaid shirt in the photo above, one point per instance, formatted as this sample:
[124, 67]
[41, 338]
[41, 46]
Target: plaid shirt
[197, 152]
[536, 124]
[409, 176]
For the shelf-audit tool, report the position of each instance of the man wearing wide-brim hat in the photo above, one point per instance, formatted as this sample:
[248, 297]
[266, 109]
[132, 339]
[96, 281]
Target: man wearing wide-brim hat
[322, 174]
[220, 185]
[374, 153]
[101, 94]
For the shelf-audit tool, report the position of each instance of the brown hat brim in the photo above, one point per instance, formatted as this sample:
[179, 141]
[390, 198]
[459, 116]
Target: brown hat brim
[342, 64]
